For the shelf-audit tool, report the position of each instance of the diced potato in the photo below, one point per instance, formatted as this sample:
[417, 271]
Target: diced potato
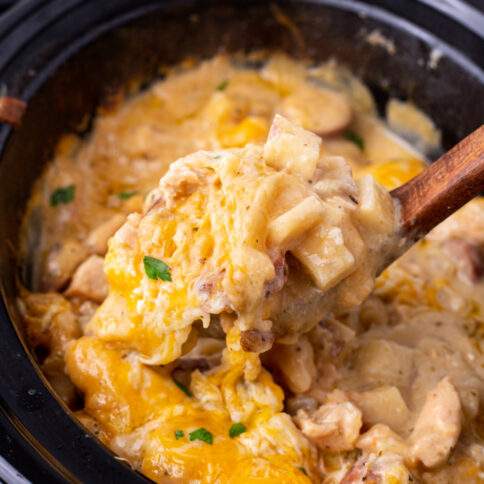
[331, 251]
[324, 255]
[384, 362]
[355, 288]
[320, 110]
[329, 187]
[289, 146]
[336, 168]
[258, 214]
[336, 217]
[296, 364]
[286, 228]
[375, 209]
[383, 405]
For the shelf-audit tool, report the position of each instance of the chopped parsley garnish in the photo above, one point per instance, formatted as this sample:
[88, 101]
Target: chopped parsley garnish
[62, 195]
[127, 194]
[183, 388]
[354, 138]
[201, 434]
[303, 470]
[237, 429]
[156, 268]
[223, 85]
[179, 434]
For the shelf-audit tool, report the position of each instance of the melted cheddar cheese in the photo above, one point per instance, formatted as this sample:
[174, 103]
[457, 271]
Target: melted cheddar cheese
[141, 408]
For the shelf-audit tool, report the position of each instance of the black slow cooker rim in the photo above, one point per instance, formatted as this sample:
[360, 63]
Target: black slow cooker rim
[63, 462]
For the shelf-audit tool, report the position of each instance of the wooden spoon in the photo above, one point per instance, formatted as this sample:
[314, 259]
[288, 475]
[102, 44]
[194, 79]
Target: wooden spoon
[441, 189]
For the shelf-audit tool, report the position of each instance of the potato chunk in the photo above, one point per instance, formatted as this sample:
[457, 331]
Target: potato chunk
[291, 147]
[375, 208]
[383, 405]
[295, 222]
[330, 251]
[326, 257]
[296, 363]
[384, 362]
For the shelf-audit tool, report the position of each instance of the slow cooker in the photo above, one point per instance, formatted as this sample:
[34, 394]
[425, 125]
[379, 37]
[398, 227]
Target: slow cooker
[66, 57]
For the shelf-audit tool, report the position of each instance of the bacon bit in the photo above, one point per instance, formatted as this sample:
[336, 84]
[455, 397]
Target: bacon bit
[256, 341]
[11, 110]
[281, 270]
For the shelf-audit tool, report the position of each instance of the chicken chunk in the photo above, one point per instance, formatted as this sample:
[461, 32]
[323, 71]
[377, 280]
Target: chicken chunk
[333, 426]
[438, 426]
[296, 364]
[62, 261]
[97, 241]
[89, 281]
[386, 468]
[381, 439]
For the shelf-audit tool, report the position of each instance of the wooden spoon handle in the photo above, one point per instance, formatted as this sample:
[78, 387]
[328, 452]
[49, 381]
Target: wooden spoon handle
[442, 188]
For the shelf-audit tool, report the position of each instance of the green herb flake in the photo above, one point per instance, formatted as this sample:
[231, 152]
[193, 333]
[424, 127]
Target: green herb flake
[303, 470]
[354, 138]
[156, 268]
[201, 434]
[62, 195]
[223, 85]
[183, 388]
[236, 429]
[127, 194]
[179, 434]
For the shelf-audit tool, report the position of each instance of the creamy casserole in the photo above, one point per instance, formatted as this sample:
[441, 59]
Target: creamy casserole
[205, 297]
